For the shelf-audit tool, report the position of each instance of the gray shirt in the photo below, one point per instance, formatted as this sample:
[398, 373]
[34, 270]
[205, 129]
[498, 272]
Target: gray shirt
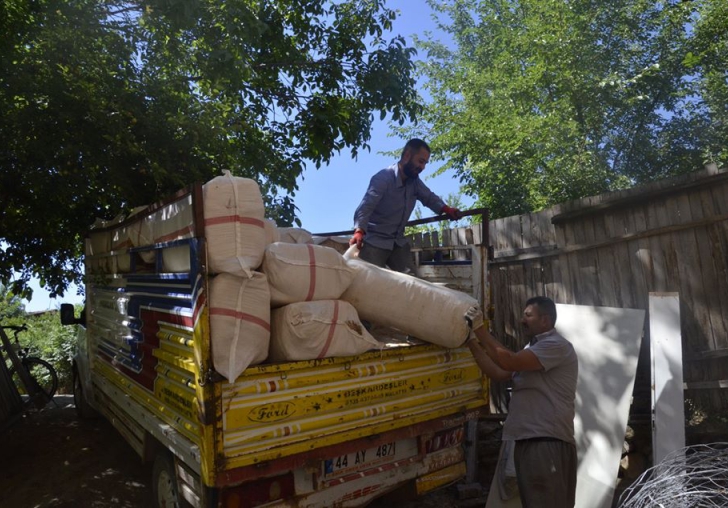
[387, 206]
[542, 404]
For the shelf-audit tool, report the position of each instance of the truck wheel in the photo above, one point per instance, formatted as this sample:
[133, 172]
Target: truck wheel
[84, 410]
[164, 482]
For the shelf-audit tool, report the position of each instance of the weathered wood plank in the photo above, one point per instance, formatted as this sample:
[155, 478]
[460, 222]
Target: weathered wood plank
[553, 288]
[693, 313]
[587, 283]
[426, 254]
[654, 217]
[705, 293]
[546, 233]
[460, 239]
[608, 258]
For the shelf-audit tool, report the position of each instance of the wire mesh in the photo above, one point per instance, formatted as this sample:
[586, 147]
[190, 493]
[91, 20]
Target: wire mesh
[692, 477]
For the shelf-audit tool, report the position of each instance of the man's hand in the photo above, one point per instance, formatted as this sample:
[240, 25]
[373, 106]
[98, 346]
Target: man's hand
[474, 317]
[358, 238]
[451, 212]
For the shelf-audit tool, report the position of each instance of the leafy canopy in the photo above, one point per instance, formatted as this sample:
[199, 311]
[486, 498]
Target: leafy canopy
[535, 102]
[105, 106]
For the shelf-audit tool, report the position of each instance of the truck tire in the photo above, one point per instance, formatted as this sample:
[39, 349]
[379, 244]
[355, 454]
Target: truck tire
[164, 482]
[84, 410]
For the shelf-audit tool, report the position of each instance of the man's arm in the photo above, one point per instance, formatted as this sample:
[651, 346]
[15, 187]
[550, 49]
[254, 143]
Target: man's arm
[503, 357]
[506, 359]
[486, 364]
[427, 197]
[435, 202]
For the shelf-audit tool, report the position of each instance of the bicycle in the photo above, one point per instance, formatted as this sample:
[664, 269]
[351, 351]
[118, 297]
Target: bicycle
[33, 377]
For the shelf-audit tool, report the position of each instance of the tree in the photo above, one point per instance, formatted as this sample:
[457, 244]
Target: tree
[536, 102]
[45, 337]
[707, 60]
[12, 310]
[109, 105]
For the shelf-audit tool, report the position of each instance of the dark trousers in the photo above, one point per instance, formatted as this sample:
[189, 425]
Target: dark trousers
[546, 473]
[398, 259]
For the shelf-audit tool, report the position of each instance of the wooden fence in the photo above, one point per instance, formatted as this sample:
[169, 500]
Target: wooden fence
[613, 250]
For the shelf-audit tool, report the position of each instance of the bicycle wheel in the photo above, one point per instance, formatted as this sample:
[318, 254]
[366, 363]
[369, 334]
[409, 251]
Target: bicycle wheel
[41, 372]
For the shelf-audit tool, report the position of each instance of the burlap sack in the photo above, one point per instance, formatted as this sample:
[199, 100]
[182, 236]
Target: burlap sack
[239, 322]
[271, 232]
[234, 228]
[304, 272]
[294, 235]
[416, 307]
[310, 330]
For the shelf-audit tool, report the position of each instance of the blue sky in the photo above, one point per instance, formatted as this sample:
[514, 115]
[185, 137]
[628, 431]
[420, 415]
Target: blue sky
[327, 197]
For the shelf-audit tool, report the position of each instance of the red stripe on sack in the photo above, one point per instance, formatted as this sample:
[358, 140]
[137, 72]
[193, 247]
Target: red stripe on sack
[311, 273]
[332, 328]
[227, 219]
[217, 311]
[180, 233]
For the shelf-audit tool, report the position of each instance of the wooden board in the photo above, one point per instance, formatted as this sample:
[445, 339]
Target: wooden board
[668, 431]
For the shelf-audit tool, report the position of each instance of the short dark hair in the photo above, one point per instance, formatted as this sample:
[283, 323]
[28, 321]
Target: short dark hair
[545, 306]
[415, 144]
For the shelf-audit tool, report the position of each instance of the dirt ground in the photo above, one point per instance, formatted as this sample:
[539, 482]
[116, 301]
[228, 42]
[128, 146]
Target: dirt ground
[50, 458]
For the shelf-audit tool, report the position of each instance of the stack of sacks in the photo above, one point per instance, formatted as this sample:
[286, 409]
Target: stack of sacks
[239, 296]
[307, 280]
[309, 330]
[416, 307]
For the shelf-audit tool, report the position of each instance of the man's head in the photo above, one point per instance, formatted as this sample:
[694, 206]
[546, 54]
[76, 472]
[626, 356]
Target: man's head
[539, 316]
[415, 156]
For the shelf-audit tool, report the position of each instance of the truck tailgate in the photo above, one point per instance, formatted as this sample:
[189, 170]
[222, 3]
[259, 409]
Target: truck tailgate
[277, 410]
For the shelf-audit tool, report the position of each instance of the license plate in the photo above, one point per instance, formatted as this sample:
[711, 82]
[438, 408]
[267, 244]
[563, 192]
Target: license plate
[364, 459]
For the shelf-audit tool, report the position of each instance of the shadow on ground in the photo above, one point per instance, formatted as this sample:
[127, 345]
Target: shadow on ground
[50, 458]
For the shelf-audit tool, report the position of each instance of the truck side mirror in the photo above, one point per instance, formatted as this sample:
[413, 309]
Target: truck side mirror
[69, 318]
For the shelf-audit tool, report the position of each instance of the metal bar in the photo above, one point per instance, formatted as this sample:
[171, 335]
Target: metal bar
[438, 218]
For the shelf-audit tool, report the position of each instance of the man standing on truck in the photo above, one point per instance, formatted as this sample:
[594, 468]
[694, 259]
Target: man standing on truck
[541, 412]
[387, 205]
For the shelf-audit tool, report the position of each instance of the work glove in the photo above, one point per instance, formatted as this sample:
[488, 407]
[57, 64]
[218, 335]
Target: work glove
[474, 317]
[358, 238]
[451, 212]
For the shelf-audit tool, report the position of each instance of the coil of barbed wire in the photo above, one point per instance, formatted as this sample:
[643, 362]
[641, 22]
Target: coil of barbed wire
[692, 477]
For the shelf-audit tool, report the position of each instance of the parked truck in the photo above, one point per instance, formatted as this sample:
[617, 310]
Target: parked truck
[337, 431]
